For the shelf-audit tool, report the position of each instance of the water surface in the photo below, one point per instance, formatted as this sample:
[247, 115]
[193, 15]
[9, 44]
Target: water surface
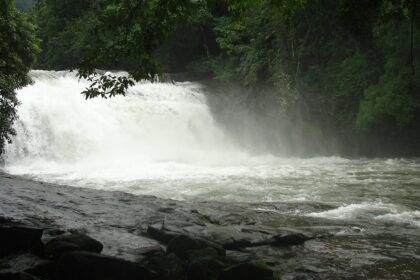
[163, 140]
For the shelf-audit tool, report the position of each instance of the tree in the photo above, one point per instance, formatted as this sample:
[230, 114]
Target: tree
[106, 34]
[18, 48]
[344, 68]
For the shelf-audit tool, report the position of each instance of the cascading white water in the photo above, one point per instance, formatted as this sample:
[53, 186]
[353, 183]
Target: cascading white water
[59, 131]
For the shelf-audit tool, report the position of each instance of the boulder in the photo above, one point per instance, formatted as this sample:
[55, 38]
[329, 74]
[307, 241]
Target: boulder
[8, 274]
[42, 269]
[19, 238]
[31, 264]
[13, 275]
[204, 253]
[79, 265]
[235, 244]
[247, 271]
[182, 244]
[204, 265]
[289, 239]
[160, 233]
[71, 242]
[149, 251]
[167, 267]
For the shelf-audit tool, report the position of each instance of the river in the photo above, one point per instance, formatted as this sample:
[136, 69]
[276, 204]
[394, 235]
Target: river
[164, 139]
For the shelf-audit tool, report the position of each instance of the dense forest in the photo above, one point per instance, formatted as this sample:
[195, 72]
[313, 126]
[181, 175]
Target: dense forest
[347, 73]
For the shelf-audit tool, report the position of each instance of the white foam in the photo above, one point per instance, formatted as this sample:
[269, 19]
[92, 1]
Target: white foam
[61, 132]
[354, 211]
[406, 217]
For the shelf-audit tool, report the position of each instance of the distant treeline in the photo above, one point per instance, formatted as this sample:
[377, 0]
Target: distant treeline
[346, 73]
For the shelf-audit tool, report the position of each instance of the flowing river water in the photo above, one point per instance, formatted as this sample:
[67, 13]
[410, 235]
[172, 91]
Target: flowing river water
[163, 139]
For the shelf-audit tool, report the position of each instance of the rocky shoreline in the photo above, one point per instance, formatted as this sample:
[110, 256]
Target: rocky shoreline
[43, 235]
[30, 253]
[50, 231]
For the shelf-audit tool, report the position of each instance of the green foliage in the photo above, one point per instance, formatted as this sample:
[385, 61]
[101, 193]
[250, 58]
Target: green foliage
[394, 100]
[17, 53]
[107, 85]
[344, 66]
[339, 69]
[86, 35]
[193, 39]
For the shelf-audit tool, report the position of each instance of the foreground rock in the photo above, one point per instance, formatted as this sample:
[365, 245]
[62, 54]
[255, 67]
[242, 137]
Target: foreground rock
[228, 241]
[247, 271]
[68, 256]
[18, 238]
[81, 265]
[170, 239]
[76, 256]
[182, 245]
[72, 242]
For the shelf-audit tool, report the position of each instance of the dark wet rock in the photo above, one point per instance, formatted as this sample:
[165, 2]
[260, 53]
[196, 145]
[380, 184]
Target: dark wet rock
[5, 220]
[80, 265]
[238, 244]
[204, 268]
[281, 240]
[53, 232]
[42, 269]
[4, 265]
[27, 276]
[72, 242]
[9, 274]
[78, 231]
[240, 256]
[247, 271]
[230, 237]
[167, 267]
[31, 264]
[149, 251]
[182, 244]
[13, 275]
[166, 210]
[290, 239]
[18, 238]
[207, 252]
[299, 276]
[161, 233]
[206, 263]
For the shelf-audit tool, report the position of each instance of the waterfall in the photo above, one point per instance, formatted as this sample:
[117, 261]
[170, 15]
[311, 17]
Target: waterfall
[58, 131]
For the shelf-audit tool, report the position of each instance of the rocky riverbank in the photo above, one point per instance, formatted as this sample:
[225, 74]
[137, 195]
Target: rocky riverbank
[49, 231]
[46, 230]
[29, 253]
[44, 234]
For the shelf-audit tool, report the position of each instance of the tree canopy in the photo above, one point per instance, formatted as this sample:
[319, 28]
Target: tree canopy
[345, 70]
[18, 48]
